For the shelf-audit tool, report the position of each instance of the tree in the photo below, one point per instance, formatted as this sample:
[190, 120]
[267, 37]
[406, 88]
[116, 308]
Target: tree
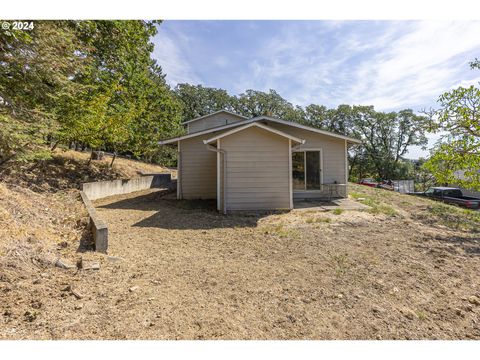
[36, 68]
[387, 136]
[423, 178]
[456, 160]
[254, 103]
[120, 53]
[160, 118]
[92, 82]
[127, 105]
[198, 100]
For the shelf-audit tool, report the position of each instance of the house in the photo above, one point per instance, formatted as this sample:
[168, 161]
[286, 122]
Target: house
[262, 163]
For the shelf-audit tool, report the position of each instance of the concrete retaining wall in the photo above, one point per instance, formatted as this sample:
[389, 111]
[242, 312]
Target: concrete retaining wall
[98, 226]
[101, 189]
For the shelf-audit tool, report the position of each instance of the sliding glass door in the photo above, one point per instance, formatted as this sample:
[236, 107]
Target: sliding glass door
[307, 170]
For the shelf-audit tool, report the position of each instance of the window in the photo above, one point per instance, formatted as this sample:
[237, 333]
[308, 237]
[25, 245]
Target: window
[306, 170]
[429, 192]
[298, 170]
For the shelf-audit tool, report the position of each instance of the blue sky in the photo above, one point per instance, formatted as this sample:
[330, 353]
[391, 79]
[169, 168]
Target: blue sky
[388, 64]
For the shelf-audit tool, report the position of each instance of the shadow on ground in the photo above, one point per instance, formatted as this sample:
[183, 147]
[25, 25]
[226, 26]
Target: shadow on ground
[171, 213]
[470, 245]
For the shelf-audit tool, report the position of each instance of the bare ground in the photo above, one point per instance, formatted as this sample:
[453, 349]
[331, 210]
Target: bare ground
[179, 270]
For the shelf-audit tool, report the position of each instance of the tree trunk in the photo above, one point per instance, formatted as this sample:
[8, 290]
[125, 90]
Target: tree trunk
[90, 159]
[55, 145]
[113, 158]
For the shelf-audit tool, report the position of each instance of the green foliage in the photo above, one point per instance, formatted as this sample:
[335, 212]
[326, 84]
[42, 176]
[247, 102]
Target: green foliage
[20, 140]
[89, 82]
[457, 159]
[337, 211]
[159, 118]
[386, 138]
[375, 202]
[198, 100]
[257, 103]
[423, 177]
[475, 64]
[36, 68]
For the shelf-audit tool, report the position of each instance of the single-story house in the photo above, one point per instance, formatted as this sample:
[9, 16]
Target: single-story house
[262, 163]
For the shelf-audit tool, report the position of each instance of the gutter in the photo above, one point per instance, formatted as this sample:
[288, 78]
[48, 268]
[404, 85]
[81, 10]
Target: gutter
[224, 153]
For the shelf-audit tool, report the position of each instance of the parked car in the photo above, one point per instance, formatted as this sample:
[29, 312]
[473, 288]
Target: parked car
[368, 182]
[386, 185]
[451, 196]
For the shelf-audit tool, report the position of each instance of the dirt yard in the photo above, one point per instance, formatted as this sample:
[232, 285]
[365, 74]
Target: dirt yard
[407, 268]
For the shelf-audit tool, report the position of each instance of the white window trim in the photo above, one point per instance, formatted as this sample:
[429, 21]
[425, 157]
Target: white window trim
[320, 150]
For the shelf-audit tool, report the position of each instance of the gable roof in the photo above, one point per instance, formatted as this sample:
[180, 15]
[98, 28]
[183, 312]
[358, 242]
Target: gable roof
[256, 119]
[214, 113]
[308, 128]
[254, 124]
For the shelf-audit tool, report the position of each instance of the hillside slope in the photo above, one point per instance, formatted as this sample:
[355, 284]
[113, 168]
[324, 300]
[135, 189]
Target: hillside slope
[42, 219]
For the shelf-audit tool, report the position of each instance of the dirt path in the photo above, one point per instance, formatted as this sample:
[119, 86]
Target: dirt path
[180, 270]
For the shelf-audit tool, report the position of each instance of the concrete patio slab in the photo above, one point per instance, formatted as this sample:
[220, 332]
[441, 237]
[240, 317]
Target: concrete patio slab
[325, 205]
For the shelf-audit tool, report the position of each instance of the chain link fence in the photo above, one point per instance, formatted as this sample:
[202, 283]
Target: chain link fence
[404, 186]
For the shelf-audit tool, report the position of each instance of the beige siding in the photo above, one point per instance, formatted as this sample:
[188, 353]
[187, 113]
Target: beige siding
[257, 170]
[333, 152]
[212, 121]
[198, 170]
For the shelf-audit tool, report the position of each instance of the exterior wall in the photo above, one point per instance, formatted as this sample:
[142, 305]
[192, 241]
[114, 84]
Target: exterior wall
[257, 170]
[334, 161]
[198, 170]
[212, 121]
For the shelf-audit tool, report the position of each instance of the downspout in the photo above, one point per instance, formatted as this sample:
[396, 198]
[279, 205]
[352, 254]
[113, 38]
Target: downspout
[179, 172]
[224, 153]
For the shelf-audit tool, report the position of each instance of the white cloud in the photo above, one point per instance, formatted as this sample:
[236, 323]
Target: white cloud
[170, 56]
[385, 64]
[419, 65]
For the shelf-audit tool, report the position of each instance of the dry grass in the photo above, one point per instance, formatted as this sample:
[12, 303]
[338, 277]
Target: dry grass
[68, 169]
[416, 208]
[125, 168]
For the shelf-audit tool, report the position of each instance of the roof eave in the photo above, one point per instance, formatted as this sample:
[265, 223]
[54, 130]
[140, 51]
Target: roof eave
[216, 112]
[254, 124]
